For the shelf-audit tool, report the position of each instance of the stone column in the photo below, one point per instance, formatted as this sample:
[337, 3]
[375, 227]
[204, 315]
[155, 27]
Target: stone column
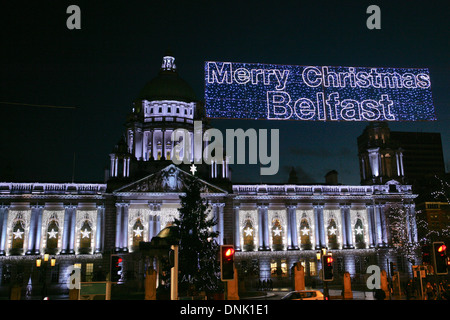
[118, 243]
[73, 221]
[125, 227]
[220, 222]
[288, 228]
[292, 236]
[317, 227]
[343, 227]
[37, 246]
[383, 225]
[379, 232]
[320, 228]
[100, 228]
[260, 228]
[371, 225]
[237, 233]
[4, 210]
[348, 223]
[144, 146]
[266, 227]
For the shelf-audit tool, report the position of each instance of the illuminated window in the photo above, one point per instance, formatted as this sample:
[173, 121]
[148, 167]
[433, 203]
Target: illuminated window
[85, 237]
[305, 235]
[18, 236]
[138, 233]
[359, 235]
[278, 268]
[332, 232]
[312, 268]
[89, 271]
[277, 235]
[249, 240]
[52, 236]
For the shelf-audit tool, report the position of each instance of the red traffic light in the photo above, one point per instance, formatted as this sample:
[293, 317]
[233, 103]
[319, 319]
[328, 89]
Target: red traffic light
[229, 252]
[330, 259]
[442, 248]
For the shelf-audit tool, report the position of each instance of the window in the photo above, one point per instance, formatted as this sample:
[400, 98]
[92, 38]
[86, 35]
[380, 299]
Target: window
[277, 235]
[85, 237]
[89, 271]
[278, 268]
[138, 236]
[359, 235]
[312, 268]
[305, 235]
[248, 231]
[18, 236]
[332, 234]
[52, 237]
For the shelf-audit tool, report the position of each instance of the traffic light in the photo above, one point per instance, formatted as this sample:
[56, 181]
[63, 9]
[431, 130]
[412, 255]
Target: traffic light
[116, 268]
[440, 258]
[426, 259]
[226, 262]
[327, 267]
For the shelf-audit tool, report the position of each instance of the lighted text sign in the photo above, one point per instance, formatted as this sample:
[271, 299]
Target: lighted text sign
[283, 92]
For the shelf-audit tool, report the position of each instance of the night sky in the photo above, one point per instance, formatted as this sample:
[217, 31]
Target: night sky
[101, 68]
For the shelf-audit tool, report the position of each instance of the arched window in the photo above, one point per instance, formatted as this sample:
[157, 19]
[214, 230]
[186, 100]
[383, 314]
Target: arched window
[138, 233]
[52, 237]
[277, 235]
[305, 235]
[359, 235]
[85, 237]
[249, 239]
[332, 232]
[18, 236]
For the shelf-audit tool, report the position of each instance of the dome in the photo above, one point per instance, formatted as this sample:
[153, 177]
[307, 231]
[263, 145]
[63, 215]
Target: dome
[168, 85]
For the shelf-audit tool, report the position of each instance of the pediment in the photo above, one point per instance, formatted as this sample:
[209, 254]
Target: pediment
[170, 179]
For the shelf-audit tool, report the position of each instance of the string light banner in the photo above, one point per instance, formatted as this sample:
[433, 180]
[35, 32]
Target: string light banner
[288, 92]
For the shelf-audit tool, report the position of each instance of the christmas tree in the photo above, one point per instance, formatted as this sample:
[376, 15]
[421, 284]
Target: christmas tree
[199, 269]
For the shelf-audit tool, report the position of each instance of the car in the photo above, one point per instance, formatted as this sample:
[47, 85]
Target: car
[304, 295]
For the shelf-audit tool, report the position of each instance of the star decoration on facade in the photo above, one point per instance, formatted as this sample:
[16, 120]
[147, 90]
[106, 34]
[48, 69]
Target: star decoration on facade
[277, 232]
[359, 230]
[193, 169]
[332, 230]
[52, 234]
[305, 231]
[138, 232]
[85, 233]
[18, 234]
[248, 231]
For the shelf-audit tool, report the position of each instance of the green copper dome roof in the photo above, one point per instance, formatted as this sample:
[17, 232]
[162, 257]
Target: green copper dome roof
[168, 85]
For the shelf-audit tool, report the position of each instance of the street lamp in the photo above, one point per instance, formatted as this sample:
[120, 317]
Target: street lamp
[43, 271]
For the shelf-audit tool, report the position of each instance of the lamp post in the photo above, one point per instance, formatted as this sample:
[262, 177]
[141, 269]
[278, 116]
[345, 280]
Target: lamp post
[42, 264]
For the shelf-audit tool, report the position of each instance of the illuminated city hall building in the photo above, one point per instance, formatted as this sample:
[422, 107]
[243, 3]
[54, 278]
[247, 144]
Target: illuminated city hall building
[271, 226]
